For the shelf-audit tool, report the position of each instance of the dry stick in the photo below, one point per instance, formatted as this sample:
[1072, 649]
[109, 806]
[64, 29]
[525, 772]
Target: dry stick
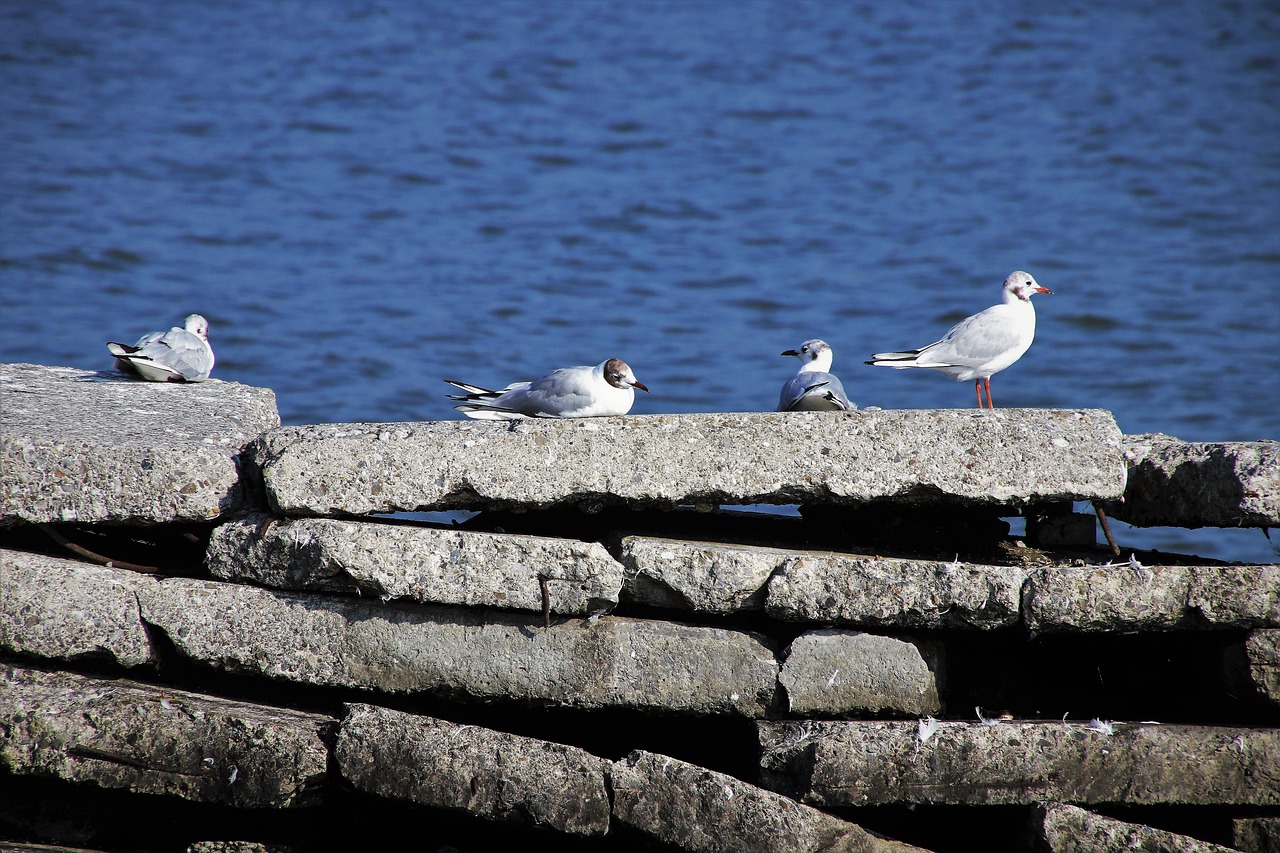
[1106, 528]
[90, 555]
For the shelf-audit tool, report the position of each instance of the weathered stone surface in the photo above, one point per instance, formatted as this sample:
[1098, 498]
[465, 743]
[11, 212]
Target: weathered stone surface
[1256, 834]
[121, 734]
[83, 446]
[1070, 829]
[491, 774]
[65, 609]
[236, 847]
[872, 592]
[1153, 598]
[870, 763]
[707, 577]
[1175, 483]
[1263, 651]
[696, 809]
[834, 672]
[1009, 456]
[489, 654]
[423, 564]
[22, 847]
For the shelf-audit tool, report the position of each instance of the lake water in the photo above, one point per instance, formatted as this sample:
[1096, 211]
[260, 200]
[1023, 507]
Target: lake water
[367, 198]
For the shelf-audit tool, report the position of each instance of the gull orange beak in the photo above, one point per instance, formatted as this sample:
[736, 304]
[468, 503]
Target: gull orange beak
[639, 384]
[1040, 289]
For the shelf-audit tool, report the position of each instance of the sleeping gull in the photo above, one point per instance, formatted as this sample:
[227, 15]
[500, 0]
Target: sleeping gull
[814, 388]
[178, 355]
[982, 345]
[570, 392]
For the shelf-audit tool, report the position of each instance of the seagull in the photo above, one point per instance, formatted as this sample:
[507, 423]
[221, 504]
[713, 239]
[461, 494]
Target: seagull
[982, 345]
[570, 392]
[178, 355]
[814, 388]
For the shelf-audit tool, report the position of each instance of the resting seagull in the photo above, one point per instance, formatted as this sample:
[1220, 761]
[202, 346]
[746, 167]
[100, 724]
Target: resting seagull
[814, 388]
[570, 392]
[980, 346]
[178, 355]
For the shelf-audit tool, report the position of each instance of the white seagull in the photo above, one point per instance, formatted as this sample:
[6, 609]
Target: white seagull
[982, 345]
[178, 355]
[570, 392]
[814, 388]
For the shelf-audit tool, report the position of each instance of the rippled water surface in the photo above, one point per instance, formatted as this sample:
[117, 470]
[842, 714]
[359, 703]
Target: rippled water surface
[364, 199]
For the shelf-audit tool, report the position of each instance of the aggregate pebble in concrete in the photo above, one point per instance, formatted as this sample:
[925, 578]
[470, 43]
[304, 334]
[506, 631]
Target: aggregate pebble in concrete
[1153, 598]
[490, 774]
[88, 447]
[143, 739]
[1009, 456]
[65, 609]
[872, 592]
[830, 764]
[695, 809]
[465, 652]
[423, 564]
[1175, 483]
[833, 672]
[1070, 829]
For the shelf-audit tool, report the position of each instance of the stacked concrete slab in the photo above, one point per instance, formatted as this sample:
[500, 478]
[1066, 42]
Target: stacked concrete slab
[603, 664]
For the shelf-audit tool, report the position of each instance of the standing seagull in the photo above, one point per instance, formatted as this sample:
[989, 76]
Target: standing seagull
[178, 355]
[814, 388]
[980, 346]
[570, 392]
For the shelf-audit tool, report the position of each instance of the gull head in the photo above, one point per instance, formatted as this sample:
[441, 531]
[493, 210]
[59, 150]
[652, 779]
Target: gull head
[816, 355]
[618, 374]
[1020, 286]
[197, 325]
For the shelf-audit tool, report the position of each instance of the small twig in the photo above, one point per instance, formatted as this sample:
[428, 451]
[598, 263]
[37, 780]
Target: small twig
[90, 555]
[546, 599]
[1106, 528]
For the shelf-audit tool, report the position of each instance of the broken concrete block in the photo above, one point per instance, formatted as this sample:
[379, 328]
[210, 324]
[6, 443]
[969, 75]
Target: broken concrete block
[464, 652]
[692, 808]
[144, 739]
[1009, 456]
[423, 564]
[830, 672]
[1256, 834]
[1069, 829]
[67, 610]
[490, 774]
[1263, 651]
[1175, 483]
[706, 577]
[90, 447]
[871, 592]
[1153, 598]
[830, 764]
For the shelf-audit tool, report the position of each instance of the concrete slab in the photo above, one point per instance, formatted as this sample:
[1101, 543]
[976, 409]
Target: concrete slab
[423, 564]
[1153, 598]
[1070, 829]
[1005, 457]
[68, 610]
[490, 774]
[99, 447]
[465, 652]
[830, 672]
[830, 764]
[695, 809]
[145, 739]
[1174, 483]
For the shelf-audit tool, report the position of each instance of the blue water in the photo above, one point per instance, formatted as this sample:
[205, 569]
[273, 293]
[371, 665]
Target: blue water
[366, 198]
